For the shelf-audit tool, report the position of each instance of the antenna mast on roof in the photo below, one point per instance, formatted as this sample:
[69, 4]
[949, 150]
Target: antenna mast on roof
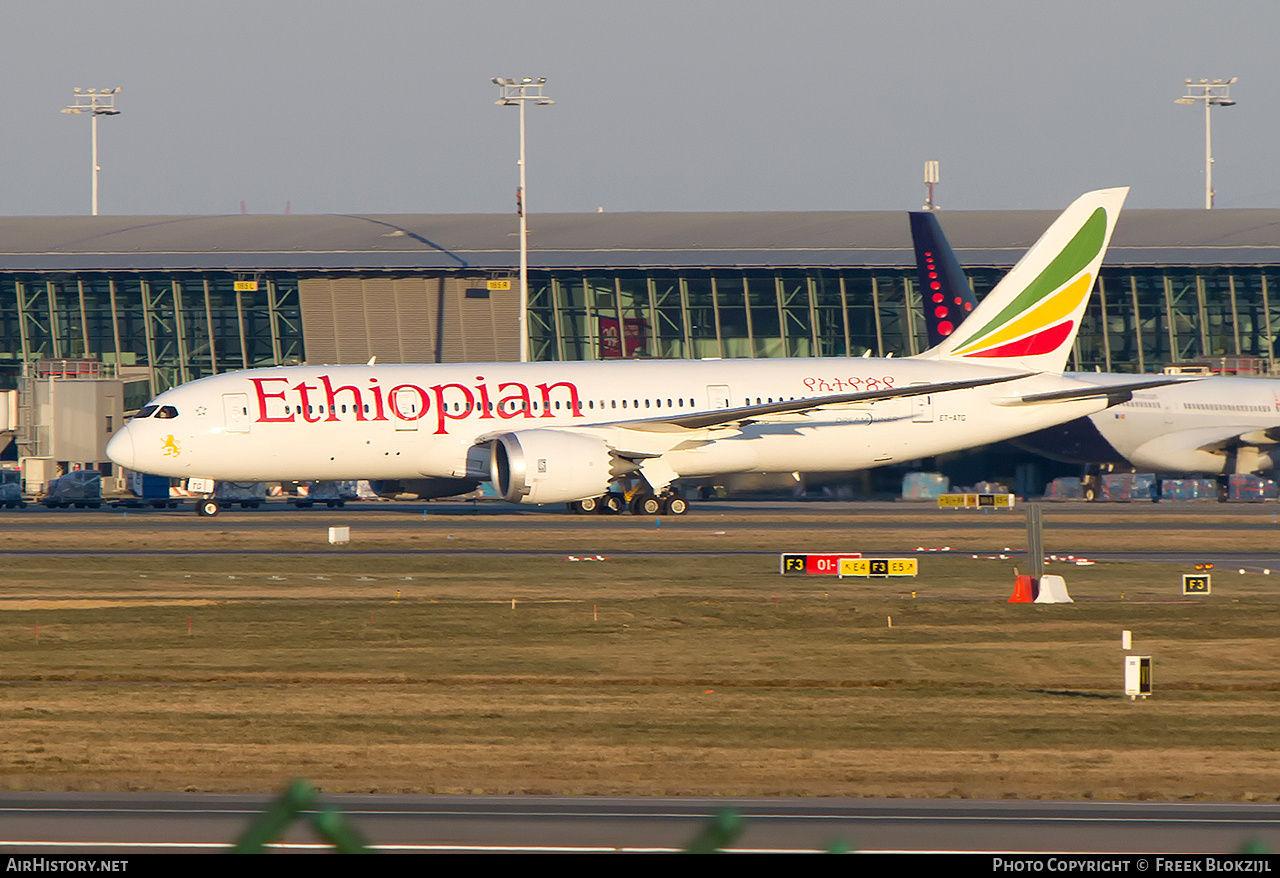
[931, 177]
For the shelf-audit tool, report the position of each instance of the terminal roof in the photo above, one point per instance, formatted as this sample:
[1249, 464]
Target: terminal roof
[488, 242]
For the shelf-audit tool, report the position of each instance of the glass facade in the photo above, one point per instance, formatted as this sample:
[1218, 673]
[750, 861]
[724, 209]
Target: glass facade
[1139, 320]
[161, 329]
[167, 328]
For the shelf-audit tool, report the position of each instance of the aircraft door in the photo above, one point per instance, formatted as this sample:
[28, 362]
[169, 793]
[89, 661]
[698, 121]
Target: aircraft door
[718, 396]
[235, 406]
[921, 407]
[407, 406]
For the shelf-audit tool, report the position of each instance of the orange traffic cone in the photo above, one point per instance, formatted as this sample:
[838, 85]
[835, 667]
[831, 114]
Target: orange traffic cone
[1022, 590]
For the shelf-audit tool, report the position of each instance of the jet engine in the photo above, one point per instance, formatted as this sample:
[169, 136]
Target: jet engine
[552, 466]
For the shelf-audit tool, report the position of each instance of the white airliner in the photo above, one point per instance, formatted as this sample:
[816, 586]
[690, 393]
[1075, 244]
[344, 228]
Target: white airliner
[1216, 426]
[569, 432]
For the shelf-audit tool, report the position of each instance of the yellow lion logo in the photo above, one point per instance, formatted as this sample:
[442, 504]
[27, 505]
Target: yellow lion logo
[171, 446]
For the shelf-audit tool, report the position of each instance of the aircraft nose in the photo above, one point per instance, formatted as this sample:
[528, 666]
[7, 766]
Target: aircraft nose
[120, 449]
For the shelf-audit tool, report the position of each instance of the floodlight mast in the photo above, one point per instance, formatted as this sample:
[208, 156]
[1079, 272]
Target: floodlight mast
[97, 102]
[516, 93]
[1217, 92]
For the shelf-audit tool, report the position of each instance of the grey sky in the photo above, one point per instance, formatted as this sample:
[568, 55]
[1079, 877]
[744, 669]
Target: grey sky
[386, 107]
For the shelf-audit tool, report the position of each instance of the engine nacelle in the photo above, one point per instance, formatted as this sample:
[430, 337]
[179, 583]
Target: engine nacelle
[550, 466]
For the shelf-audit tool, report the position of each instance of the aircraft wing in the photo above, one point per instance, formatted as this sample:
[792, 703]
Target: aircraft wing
[1114, 393]
[742, 414]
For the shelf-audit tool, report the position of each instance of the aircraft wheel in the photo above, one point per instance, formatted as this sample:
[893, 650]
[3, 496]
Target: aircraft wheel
[675, 506]
[1090, 493]
[645, 504]
[585, 506]
[207, 508]
[611, 504]
[1224, 493]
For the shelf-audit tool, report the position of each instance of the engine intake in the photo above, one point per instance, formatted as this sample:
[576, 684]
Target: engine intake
[550, 466]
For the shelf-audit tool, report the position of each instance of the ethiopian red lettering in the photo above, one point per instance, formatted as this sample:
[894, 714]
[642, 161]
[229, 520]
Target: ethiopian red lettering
[415, 412]
[486, 408]
[263, 396]
[442, 407]
[378, 413]
[523, 409]
[302, 387]
[331, 392]
[574, 405]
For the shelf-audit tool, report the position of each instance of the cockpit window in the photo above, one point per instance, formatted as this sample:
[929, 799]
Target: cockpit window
[146, 411]
[167, 411]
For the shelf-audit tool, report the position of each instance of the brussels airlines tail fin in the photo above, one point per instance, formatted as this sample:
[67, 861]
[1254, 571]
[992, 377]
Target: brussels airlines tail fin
[945, 291]
[1030, 320]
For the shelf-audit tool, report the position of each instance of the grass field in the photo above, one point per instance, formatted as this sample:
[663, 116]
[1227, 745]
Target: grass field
[653, 674]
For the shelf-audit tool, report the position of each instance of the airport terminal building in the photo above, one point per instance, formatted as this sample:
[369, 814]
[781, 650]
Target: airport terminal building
[164, 300]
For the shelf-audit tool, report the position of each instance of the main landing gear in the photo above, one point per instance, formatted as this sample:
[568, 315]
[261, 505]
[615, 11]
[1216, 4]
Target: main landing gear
[641, 503]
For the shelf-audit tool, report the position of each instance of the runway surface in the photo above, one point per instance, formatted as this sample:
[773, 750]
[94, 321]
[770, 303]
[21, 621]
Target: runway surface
[71, 823]
[796, 513]
[842, 519]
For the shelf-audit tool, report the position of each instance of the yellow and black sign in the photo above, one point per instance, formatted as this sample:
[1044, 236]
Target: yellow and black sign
[246, 286]
[975, 501]
[878, 566]
[499, 285]
[1195, 583]
[793, 564]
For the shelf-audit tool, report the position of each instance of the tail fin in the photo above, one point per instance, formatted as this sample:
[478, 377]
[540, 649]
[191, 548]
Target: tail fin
[944, 287]
[1031, 318]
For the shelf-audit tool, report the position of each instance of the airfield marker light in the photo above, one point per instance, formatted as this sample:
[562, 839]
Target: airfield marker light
[511, 94]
